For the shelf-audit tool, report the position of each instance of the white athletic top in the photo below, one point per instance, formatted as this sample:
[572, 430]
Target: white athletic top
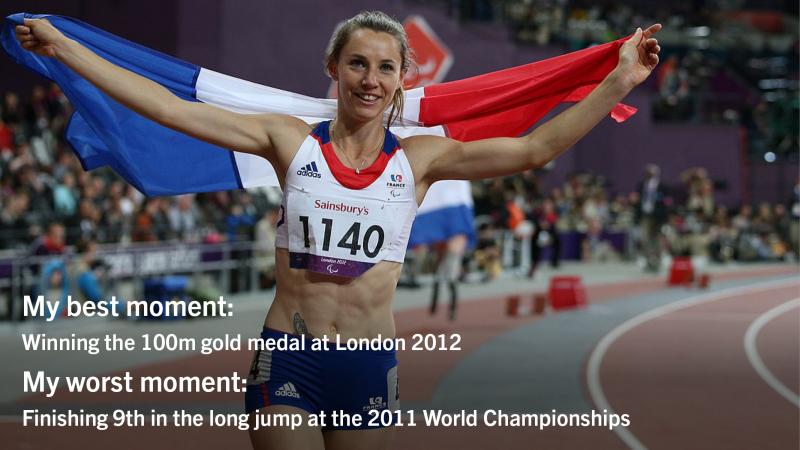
[341, 223]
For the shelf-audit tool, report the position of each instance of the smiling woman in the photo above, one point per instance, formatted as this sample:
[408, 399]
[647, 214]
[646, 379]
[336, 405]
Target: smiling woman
[350, 194]
[388, 38]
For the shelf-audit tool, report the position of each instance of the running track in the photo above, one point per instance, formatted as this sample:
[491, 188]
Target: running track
[686, 379]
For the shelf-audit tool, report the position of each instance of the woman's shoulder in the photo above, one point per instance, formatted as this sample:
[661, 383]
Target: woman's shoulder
[422, 150]
[425, 148]
[284, 127]
[288, 124]
[421, 142]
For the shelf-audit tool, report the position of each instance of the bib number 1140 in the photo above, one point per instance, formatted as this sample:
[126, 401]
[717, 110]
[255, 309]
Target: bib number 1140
[350, 240]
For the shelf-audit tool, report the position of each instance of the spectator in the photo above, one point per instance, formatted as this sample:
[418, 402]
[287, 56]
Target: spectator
[183, 218]
[239, 224]
[115, 225]
[65, 197]
[89, 216]
[722, 237]
[143, 225]
[84, 270]
[652, 215]
[741, 222]
[52, 242]
[15, 222]
[11, 110]
[239, 227]
[265, 247]
[545, 234]
[54, 284]
[6, 138]
[487, 253]
[595, 247]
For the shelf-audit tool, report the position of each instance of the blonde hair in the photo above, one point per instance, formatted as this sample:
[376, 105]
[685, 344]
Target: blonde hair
[380, 22]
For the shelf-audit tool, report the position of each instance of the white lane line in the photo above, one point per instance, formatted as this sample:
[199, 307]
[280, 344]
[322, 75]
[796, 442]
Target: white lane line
[751, 350]
[599, 352]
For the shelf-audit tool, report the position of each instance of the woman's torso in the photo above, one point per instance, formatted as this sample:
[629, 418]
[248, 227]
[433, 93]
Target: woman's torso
[341, 240]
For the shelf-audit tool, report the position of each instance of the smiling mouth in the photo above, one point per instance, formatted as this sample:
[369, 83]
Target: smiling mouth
[369, 98]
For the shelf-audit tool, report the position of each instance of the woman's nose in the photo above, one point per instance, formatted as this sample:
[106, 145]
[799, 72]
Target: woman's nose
[370, 79]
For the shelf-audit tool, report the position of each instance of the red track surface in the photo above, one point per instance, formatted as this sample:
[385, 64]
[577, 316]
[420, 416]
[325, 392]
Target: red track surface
[778, 339]
[687, 383]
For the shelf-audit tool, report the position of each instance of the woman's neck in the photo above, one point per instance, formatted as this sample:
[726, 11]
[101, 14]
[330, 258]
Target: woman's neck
[357, 139]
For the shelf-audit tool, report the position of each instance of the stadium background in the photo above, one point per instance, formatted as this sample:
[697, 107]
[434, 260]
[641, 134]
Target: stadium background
[719, 117]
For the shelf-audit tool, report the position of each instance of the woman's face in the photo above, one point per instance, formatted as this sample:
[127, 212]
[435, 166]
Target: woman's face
[368, 72]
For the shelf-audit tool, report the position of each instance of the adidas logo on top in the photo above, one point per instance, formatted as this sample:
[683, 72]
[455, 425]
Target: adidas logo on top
[310, 170]
[287, 390]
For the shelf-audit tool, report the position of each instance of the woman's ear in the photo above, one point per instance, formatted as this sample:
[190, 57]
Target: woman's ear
[332, 72]
[407, 81]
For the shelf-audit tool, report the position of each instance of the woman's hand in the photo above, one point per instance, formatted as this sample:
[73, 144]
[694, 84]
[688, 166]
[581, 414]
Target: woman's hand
[38, 36]
[638, 56]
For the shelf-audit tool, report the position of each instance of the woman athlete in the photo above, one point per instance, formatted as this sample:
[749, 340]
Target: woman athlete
[351, 189]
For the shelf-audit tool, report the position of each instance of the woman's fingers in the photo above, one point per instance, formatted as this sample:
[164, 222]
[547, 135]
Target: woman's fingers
[652, 29]
[25, 36]
[636, 38]
[27, 39]
[36, 35]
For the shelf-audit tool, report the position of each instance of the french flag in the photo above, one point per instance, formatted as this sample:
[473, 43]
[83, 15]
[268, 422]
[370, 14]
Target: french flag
[160, 161]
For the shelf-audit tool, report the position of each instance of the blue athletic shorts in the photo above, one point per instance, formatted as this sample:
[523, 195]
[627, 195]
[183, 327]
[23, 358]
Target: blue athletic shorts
[354, 381]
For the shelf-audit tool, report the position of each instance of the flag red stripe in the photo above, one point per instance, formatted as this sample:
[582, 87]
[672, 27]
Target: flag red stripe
[509, 102]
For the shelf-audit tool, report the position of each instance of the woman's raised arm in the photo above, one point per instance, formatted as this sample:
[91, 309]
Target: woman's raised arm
[249, 133]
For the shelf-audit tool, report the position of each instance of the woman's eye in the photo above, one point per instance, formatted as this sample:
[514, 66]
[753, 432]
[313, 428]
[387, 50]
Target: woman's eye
[387, 68]
[357, 63]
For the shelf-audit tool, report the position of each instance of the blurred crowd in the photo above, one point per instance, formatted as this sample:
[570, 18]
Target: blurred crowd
[42, 182]
[722, 62]
[656, 220]
[49, 206]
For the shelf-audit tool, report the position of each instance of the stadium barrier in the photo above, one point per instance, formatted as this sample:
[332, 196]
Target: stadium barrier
[231, 267]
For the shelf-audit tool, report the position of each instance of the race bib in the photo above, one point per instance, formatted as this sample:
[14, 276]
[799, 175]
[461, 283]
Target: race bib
[342, 237]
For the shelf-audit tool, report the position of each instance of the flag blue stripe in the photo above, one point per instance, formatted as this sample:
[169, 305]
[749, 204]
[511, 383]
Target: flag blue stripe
[441, 224]
[88, 158]
[102, 132]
